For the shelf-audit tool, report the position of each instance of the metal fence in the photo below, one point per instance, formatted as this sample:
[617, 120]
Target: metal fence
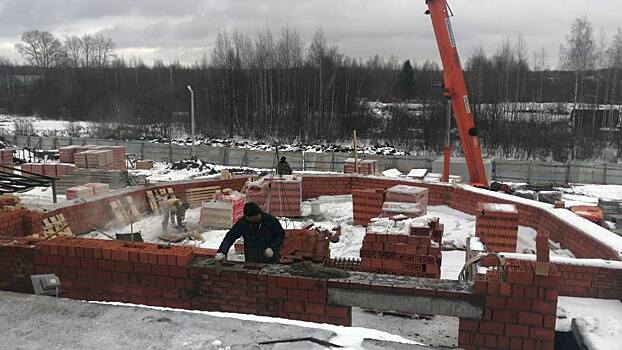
[502, 170]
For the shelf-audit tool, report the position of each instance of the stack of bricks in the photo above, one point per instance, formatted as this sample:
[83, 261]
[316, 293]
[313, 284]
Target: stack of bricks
[6, 160]
[497, 226]
[367, 204]
[79, 192]
[16, 264]
[140, 273]
[520, 309]
[284, 196]
[365, 167]
[280, 196]
[66, 154]
[97, 188]
[118, 157]
[245, 290]
[55, 170]
[307, 245]
[401, 210]
[413, 250]
[222, 213]
[409, 194]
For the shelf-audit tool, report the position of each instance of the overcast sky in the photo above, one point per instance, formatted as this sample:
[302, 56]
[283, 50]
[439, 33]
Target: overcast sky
[185, 29]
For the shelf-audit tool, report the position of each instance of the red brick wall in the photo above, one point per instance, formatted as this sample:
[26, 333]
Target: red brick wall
[17, 264]
[12, 223]
[590, 282]
[519, 313]
[582, 245]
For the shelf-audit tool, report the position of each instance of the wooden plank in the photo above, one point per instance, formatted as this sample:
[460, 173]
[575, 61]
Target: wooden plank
[133, 210]
[153, 203]
[202, 189]
[117, 210]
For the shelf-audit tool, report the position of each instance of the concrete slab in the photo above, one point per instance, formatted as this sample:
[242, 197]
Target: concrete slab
[374, 344]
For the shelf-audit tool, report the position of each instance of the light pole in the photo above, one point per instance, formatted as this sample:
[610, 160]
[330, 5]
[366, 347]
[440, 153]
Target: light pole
[192, 111]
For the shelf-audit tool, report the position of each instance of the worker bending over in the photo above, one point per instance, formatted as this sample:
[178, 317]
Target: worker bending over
[283, 167]
[174, 209]
[263, 236]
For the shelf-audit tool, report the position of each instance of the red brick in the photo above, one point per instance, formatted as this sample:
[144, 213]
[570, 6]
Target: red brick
[315, 309]
[544, 307]
[530, 318]
[292, 306]
[495, 302]
[338, 311]
[107, 265]
[123, 266]
[542, 333]
[491, 341]
[492, 328]
[120, 254]
[277, 293]
[514, 330]
[179, 272]
[288, 282]
[468, 325]
[297, 295]
[516, 343]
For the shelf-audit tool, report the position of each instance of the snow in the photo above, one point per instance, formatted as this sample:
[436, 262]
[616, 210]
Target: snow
[599, 333]
[608, 192]
[500, 208]
[347, 337]
[39, 197]
[418, 173]
[452, 264]
[392, 173]
[570, 307]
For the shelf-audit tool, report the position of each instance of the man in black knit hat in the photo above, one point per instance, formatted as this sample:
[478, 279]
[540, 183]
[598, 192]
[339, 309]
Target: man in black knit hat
[263, 236]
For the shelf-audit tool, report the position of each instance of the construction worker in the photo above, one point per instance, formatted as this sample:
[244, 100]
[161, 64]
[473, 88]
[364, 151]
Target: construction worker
[174, 208]
[263, 236]
[283, 167]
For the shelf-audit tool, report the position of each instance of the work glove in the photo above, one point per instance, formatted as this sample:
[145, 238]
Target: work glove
[268, 253]
[220, 257]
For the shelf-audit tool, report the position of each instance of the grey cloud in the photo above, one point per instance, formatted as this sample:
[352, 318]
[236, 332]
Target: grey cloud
[181, 29]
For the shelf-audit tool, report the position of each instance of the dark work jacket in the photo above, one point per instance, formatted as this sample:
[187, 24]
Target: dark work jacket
[283, 168]
[267, 233]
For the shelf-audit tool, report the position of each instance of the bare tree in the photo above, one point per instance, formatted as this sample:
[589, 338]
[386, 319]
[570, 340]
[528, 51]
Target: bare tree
[578, 54]
[89, 51]
[40, 48]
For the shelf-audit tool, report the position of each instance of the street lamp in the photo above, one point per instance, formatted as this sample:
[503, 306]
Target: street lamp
[192, 111]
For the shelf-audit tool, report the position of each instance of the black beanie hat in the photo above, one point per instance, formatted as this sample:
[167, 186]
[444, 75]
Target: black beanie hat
[251, 209]
[283, 159]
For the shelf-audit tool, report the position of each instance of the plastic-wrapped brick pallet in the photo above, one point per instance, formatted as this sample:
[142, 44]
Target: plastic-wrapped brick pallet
[409, 194]
[223, 212]
[79, 192]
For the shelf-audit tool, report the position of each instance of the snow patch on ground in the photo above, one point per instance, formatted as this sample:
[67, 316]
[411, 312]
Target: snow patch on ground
[599, 333]
[569, 308]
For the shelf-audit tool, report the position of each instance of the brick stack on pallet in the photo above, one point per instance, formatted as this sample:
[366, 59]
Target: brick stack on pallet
[279, 196]
[223, 212]
[309, 245]
[98, 188]
[365, 167]
[367, 204]
[95, 157]
[398, 210]
[6, 160]
[79, 192]
[408, 248]
[55, 170]
[497, 226]
[409, 194]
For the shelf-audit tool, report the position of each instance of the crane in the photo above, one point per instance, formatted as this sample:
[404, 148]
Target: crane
[456, 92]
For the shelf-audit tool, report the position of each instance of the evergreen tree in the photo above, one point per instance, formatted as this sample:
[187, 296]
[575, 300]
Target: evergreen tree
[406, 81]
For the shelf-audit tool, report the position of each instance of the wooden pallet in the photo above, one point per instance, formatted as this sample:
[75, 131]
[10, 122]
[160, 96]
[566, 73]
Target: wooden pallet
[196, 196]
[56, 225]
[133, 209]
[156, 197]
[119, 212]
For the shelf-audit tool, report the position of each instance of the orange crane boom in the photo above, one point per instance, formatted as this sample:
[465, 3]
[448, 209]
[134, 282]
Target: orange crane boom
[455, 89]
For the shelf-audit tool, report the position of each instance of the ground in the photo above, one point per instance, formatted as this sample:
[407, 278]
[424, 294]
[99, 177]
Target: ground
[37, 322]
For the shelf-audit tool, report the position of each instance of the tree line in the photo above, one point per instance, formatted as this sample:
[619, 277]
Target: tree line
[278, 86]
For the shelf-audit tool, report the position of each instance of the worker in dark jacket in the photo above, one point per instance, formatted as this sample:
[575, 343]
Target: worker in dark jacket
[283, 167]
[262, 233]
